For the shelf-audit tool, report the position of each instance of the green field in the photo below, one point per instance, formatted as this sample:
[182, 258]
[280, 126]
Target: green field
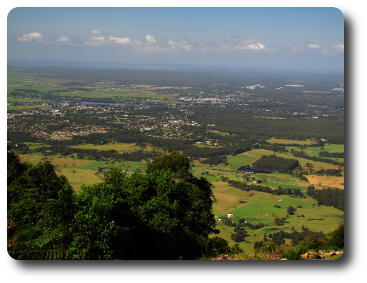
[290, 141]
[255, 207]
[120, 147]
[315, 150]
[36, 145]
[259, 208]
[45, 87]
[82, 171]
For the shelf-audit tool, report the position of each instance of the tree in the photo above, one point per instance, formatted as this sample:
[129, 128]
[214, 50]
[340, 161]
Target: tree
[291, 210]
[40, 206]
[239, 235]
[164, 214]
[175, 162]
[335, 239]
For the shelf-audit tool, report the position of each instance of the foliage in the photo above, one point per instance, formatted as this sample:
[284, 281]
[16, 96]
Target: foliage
[330, 196]
[146, 216]
[239, 234]
[316, 241]
[40, 206]
[275, 163]
[176, 163]
[291, 210]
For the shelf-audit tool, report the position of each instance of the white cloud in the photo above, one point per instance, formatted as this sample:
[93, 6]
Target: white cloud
[313, 46]
[255, 46]
[334, 49]
[150, 38]
[242, 45]
[95, 31]
[30, 36]
[179, 45]
[96, 40]
[63, 39]
[121, 40]
[338, 47]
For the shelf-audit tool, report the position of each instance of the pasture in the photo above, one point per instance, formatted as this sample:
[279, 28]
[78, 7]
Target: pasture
[274, 140]
[315, 150]
[326, 181]
[82, 171]
[259, 208]
[119, 147]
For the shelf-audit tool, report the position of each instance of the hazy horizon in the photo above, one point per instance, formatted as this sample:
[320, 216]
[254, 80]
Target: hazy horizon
[307, 40]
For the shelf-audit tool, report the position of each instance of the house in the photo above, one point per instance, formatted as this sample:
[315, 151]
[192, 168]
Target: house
[230, 216]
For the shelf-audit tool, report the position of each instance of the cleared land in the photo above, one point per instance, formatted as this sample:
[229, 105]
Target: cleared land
[120, 147]
[326, 181]
[290, 141]
[259, 208]
[255, 207]
[82, 171]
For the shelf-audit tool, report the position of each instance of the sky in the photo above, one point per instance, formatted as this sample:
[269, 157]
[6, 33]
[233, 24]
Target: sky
[289, 39]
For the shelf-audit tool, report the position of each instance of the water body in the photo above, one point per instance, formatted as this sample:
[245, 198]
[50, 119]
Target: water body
[91, 103]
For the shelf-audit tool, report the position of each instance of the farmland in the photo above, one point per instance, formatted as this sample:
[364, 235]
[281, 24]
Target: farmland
[86, 126]
[255, 207]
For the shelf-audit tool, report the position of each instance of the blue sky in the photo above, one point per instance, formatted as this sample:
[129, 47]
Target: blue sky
[301, 39]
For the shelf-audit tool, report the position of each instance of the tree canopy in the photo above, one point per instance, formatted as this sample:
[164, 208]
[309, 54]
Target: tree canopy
[163, 214]
[40, 208]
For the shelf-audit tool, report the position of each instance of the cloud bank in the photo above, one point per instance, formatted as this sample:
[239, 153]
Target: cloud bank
[150, 44]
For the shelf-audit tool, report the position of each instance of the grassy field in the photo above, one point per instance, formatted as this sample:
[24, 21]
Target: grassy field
[200, 145]
[46, 86]
[78, 177]
[290, 141]
[27, 107]
[81, 171]
[36, 145]
[44, 90]
[120, 147]
[239, 160]
[219, 133]
[275, 180]
[326, 181]
[315, 150]
[255, 207]
[259, 208]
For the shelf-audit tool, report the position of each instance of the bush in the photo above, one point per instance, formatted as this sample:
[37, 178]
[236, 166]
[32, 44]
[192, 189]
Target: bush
[295, 252]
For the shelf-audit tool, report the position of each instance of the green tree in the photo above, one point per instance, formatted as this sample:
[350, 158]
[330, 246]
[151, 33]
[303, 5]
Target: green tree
[40, 206]
[175, 162]
[164, 214]
[291, 210]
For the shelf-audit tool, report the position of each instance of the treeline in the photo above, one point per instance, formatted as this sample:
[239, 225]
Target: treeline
[216, 160]
[330, 196]
[259, 188]
[99, 154]
[332, 154]
[329, 172]
[315, 158]
[163, 214]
